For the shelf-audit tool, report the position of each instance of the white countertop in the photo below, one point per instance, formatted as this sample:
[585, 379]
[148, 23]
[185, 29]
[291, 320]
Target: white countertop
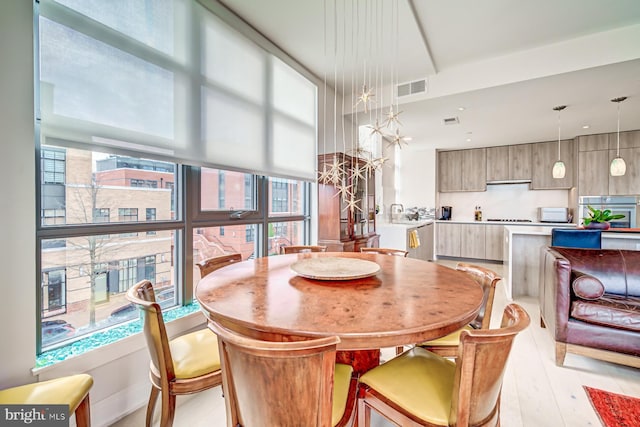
[512, 224]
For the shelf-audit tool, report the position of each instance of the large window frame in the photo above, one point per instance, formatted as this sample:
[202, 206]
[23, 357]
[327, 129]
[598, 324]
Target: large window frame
[188, 213]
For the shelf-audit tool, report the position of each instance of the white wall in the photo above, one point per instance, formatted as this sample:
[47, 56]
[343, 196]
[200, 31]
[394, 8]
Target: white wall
[17, 252]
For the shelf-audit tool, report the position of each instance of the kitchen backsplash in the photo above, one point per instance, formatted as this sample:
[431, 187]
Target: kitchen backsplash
[503, 201]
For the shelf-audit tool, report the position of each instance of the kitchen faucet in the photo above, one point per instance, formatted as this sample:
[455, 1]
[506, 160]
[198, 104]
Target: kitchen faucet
[396, 212]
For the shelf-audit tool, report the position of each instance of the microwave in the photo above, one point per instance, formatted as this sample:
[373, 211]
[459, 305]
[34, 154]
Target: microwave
[560, 215]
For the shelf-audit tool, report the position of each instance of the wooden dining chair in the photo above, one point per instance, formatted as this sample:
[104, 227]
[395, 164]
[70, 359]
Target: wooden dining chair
[184, 365]
[447, 346]
[302, 248]
[284, 384]
[211, 264]
[72, 390]
[386, 251]
[421, 388]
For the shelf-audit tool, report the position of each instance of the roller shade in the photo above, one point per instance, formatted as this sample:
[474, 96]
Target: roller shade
[172, 80]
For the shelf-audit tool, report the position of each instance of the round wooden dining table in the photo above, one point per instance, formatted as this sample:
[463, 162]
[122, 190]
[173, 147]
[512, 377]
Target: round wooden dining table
[405, 302]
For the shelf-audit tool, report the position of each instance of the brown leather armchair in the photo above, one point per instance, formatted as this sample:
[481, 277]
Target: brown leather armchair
[590, 302]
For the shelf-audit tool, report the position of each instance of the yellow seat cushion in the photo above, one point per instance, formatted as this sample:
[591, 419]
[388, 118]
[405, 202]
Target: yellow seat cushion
[341, 381]
[60, 391]
[418, 381]
[453, 339]
[195, 354]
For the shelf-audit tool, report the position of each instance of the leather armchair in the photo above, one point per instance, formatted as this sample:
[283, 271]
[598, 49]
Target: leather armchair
[590, 302]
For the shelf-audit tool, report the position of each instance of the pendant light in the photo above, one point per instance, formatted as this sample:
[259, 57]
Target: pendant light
[618, 166]
[559, 168]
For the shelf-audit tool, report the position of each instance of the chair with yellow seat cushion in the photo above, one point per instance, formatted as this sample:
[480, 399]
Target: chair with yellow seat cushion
[184, 365]
[421, 388]
[295, 383]
[216, 262]
[72, 390]
[447, 346]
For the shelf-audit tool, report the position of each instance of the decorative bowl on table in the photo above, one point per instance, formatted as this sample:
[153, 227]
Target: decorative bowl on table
[334, 268]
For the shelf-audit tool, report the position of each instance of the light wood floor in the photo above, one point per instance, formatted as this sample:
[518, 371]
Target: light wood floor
[535, 393]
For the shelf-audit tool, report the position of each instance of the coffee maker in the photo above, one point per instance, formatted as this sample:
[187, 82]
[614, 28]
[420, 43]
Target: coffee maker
[445, 213]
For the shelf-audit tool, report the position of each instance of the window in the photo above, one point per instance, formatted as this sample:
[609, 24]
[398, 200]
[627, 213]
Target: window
[286, 197]
[151, 216]
[234, 190]
[53, 292]
[250, 235]
[127, 214]
[221, 190]
[53, 166]
[240, 114]
[100, 215]
[279, 196]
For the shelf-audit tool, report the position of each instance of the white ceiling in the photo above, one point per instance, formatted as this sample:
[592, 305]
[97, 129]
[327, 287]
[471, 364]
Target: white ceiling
[507, 63]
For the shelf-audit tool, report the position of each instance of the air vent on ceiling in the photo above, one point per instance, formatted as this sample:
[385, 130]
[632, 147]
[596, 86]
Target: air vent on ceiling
[451, 121]
[412, 88]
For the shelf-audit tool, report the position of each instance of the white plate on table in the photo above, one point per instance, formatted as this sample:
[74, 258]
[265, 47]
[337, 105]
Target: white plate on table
[335, 268]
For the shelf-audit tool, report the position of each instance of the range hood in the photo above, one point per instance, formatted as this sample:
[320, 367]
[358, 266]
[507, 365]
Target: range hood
[509, 181]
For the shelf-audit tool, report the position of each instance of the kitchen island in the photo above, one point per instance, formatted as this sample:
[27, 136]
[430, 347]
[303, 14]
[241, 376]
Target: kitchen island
[522, 254]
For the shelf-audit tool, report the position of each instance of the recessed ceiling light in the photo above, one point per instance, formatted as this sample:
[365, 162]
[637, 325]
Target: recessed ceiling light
[460, 108]
[586, 127]
[468, 139]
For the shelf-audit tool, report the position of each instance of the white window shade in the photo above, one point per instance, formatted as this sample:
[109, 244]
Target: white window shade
[233, 132]
[292, 145]
[128, 77]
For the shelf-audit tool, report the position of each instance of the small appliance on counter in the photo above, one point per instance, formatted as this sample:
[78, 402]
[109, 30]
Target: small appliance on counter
[553, 215]
[445, 213]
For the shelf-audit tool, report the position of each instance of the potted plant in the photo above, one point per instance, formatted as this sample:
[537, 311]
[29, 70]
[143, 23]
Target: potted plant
[599, 218]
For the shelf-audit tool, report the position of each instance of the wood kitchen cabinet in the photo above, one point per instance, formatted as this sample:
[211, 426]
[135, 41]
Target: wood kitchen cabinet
[340, 228]
[449, 173]
[545, 154]
[472, 241]
[474, 169]
[448, 236]
[462, 170]
[509, 162]
[494, 242]
[629, 183]
[593, 165]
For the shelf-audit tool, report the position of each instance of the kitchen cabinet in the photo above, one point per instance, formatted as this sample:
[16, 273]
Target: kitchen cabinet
[472, 241]
[449, 173]
[494, 242]
[448, 236]
[339, 227]
[509, 163]
[629, 183]
[462, 170]
[545, 154]
[593, 165]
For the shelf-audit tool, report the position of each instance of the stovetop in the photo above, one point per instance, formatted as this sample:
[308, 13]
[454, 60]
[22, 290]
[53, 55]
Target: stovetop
[508, 220]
